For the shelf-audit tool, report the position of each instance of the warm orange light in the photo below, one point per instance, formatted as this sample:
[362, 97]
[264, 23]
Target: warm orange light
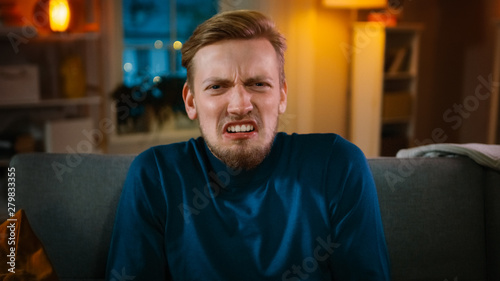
[355, 4]
[59, 15]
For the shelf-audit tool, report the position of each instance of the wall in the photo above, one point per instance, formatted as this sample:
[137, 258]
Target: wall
[316, 66]
[457, 49]
[330, 104]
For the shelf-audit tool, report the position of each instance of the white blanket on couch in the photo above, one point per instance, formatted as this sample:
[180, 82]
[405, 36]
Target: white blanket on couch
[484, 154]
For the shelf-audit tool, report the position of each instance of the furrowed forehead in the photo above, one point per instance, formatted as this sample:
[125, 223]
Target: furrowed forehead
[249, 59]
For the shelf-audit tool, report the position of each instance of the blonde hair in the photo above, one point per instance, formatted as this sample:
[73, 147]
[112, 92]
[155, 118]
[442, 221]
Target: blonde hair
[241, 24]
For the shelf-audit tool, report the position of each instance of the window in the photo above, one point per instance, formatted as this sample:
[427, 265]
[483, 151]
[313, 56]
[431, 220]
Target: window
[154, 31]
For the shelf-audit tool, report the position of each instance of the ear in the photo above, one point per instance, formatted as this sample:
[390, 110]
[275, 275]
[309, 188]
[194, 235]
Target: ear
[189, 102]
[283, 98]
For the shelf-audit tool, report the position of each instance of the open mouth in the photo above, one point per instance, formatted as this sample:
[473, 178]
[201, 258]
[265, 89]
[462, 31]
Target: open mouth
[240, 129]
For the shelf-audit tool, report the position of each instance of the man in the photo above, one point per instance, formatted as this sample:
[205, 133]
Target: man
[243, 202]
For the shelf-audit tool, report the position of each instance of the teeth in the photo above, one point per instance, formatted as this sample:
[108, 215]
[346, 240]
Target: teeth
[238, 128]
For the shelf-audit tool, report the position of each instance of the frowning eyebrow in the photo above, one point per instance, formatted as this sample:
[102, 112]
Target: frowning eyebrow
[217, 81]
[259, 78]
[248, 81]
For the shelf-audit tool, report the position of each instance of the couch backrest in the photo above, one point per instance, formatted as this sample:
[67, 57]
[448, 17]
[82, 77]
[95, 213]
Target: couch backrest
[492, 216]
[70, 201]
[433, 215]
[432, 210]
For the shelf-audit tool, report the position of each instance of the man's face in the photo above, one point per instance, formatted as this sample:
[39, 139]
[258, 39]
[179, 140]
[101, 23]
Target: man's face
[237, 98]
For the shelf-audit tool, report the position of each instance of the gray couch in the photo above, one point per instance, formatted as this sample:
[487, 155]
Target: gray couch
[441, 215]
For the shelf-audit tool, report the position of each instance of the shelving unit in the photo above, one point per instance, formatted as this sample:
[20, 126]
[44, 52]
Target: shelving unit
[60, 59]
[52, 103]
[400, 88]
[384, 77]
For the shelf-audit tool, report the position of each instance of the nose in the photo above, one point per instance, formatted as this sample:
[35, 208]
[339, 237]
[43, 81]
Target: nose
[240, 102]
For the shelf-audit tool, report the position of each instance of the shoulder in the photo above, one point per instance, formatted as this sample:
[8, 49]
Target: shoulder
[168, 153]
[326, 145]
[150, 168]
[165, 159]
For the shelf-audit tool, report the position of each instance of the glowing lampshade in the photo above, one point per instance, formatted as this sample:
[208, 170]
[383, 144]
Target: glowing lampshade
[59, 15]
[355, 4]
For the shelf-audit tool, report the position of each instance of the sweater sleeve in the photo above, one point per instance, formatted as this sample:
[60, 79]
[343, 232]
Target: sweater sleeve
[137, 244]
[360, 247]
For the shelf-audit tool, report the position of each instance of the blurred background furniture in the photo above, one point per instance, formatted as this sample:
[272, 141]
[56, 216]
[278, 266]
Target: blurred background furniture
[384, 87]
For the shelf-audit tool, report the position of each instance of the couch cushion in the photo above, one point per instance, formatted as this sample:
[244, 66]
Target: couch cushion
[71, 200]
[433, 214]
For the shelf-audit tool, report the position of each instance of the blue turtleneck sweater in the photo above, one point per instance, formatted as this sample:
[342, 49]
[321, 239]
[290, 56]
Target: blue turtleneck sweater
[309, 211]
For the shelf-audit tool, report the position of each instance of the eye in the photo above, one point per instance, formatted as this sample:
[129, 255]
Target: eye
[259, 86]
[214, 87]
